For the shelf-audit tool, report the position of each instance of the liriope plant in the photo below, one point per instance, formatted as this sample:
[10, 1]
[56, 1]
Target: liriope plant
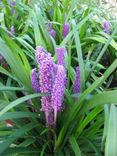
[46, 106]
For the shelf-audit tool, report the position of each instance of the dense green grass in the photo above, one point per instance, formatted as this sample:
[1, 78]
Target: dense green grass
[87, 126]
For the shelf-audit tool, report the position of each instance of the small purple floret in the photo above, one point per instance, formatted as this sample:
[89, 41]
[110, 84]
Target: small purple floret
[12, 3]
[12, 29]
[106, 27]
[61, 53]
[34, 80]
[76, 88]
[52, 32]
[66, 29]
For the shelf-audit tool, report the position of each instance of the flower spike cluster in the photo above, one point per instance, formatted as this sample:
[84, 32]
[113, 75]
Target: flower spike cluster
[51, 80]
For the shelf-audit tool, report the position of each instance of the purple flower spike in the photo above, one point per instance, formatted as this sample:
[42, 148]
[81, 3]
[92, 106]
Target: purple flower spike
[46, 81]
[106, 27]
[66, 29]
[58, 88]
[34, 80]
[58, 91]
[52, 80]
[76, 88]
[12, 3]
[52, 32]
[46, 71]
[12, 29]
[61, 52]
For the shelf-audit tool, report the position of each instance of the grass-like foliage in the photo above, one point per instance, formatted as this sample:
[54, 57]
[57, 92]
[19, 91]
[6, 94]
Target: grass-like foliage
[86, 125]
